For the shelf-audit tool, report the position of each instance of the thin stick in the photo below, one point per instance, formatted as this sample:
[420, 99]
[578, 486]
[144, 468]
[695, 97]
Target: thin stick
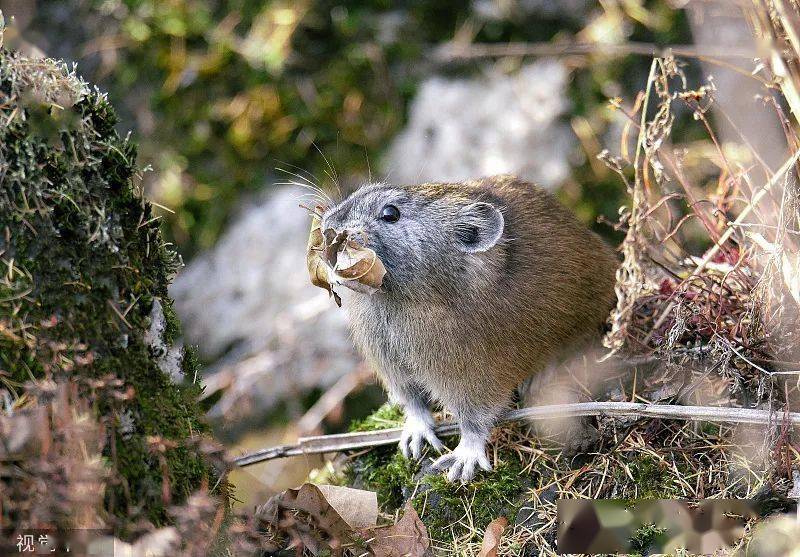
[727, 235]
[361, 440]
[450, 52]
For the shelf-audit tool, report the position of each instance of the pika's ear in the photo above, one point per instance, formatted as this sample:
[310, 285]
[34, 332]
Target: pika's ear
[478, 227]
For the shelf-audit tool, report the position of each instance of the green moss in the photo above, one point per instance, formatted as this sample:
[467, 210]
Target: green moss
[83, 261]
[172, 325]
[442, 505]
[385, 471]
[710, 429]
[387, 416]
[651, 478]
[645, 539]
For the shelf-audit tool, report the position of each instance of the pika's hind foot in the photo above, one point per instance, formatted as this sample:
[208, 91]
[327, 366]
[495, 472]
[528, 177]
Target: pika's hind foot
[416, 431]
[463, 462]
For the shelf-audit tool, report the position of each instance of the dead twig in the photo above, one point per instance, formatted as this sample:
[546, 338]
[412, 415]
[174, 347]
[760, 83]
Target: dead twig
[360, 440]
[332, 399]
[451, 52]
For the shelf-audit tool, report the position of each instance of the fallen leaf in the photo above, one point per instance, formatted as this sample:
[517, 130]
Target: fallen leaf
[408, 537]
[315, 260]
[357, 507]
[337, 512]
[492, 536]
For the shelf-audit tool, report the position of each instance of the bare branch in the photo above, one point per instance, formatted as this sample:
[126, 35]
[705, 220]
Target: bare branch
[452, 51]
[361, 440]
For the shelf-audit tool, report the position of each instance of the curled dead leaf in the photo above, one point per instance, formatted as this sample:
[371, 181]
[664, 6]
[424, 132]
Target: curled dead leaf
[355, 262]
[492, 537]
[315, 260]
[321, 517]
[337, 258]
[408, 537]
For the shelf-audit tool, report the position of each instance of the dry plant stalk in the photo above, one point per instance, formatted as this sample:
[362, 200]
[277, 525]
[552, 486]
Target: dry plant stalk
[705, 308]
[360, 440]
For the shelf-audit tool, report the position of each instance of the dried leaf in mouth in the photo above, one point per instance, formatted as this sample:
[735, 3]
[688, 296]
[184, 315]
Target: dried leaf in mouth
[315, 260]
[361, 264]
[337, 258]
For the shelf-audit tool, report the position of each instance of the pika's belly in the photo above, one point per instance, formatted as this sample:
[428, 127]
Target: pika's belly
[442, 352]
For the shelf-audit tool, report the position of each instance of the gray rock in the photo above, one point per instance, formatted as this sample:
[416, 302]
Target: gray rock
[497, 123]
[249, 306]
[516, 9]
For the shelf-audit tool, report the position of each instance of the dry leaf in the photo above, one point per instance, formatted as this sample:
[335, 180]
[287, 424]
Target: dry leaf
[357, 507]
[335, 258]
[331, 510]
[492, 536]
[315, 261]
[361, 264]
[406, 538]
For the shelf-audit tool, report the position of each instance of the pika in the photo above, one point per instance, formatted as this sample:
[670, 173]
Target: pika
[486, 281]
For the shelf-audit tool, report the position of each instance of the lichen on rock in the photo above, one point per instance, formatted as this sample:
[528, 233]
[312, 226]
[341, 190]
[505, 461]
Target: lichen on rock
[83, 269]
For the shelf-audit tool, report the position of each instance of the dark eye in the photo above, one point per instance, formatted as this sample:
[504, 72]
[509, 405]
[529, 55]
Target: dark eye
[390, 213]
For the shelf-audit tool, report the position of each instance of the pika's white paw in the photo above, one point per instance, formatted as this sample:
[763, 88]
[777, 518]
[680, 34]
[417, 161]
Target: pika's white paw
[463, 462]
[416, 431]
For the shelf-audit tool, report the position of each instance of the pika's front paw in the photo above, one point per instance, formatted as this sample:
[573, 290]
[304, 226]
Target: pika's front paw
[463, 462]
[416, 431]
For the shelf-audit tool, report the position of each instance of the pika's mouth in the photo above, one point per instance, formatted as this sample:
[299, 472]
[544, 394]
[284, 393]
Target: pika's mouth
[342, 258]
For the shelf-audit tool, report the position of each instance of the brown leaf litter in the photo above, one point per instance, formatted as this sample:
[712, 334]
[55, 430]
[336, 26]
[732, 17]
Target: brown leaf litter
[322, 519]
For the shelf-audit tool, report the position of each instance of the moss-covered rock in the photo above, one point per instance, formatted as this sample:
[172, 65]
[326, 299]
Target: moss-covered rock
[83, 284]
[440, 504]
[633, 460]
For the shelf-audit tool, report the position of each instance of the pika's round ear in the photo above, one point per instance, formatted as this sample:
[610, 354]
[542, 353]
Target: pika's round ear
[478, 227]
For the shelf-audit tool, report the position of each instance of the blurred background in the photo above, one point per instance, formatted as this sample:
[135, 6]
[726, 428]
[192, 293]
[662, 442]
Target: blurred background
[235, 104]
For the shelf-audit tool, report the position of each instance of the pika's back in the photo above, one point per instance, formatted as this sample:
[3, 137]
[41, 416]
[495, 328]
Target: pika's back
[544, 250]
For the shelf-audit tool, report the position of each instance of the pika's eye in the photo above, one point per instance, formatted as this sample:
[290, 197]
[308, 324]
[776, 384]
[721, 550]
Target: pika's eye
[390, 213]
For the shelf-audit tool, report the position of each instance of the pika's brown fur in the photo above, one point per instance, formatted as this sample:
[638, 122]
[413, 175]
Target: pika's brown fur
[486, 282]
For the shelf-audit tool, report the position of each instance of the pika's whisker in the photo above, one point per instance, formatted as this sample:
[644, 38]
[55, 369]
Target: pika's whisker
[332, 174]
[307, 175]
[319, 202]
[320, 195]
[305, 183]
[310, 210]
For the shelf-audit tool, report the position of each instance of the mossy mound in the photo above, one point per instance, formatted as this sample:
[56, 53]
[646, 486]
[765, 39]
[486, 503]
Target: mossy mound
[83, 285]
[634, 460]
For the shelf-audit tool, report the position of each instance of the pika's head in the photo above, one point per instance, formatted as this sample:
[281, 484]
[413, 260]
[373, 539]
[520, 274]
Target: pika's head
[430, 236]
